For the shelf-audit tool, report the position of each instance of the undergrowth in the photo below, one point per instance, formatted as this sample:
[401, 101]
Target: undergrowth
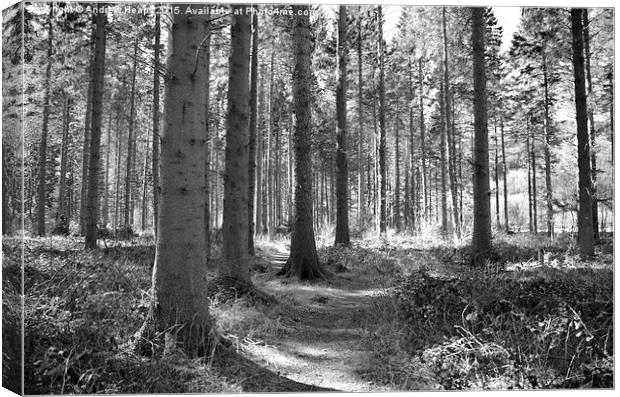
[82, 309]
[550, 326]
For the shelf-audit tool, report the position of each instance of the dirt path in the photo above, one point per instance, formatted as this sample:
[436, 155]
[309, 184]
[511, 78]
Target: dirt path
[324, 346]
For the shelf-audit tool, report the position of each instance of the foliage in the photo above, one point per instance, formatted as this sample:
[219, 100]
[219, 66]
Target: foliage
[542, 328]
[81, 312]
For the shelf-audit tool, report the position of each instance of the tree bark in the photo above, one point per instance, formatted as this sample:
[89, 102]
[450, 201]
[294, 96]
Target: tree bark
[342, 169]
[92, 206]
[396, 193]
[270, 171]
[127, 218]
[585, 225]
[448, 128]
[178, 307]
[253, 129]
[382, 137]
[529, 175]
[156, 137]
[87, 131]
[360, 145]
[42, 182]
[481, 240]
[259, 225]
[235, 221]
[549, 195]
[423, 181]
[303, 261]
[108, 148]
[62, 193]
[590, 103]
[443, 146]
[505, 174]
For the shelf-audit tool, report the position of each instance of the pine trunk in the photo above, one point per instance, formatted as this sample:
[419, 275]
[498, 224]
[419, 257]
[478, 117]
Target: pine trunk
[423, 180]
[360, 145]
[130, 141]
[98, 67]
[303, 261]
[443, 146]
[235, 221]
[382, 136]
[156, 137]
[481, 240]
[342, 171]
[585, 225]
[179, 291]
[590, 102]
[108, 148]
[549, 195]
[62, 193]
[253, 129]
[505, 174]
[87, 131]
[42, 166]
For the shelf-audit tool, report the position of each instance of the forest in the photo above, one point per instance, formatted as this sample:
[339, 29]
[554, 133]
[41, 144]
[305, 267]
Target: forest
[224, 198]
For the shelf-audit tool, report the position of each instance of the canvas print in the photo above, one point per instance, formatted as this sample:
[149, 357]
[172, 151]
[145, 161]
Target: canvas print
[223, 198]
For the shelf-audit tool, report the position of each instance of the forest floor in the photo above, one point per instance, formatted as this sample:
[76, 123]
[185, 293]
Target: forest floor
[392, 315]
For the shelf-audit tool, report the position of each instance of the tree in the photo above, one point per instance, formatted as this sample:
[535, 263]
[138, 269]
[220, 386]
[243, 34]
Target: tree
[42, 187]
[584, 221]
[156, 137]
[235, 221]
[303, 261]
[179, 293]
[481, 240]
[342, 204]
[382, 133]
[128, 207]
[592, 130]
[253, 129]
[92, 204]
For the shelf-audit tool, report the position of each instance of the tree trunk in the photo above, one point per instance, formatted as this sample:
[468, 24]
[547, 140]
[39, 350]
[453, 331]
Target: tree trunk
[253, 124]
[534, 194]
[382, 137]
[144, 206]
[497, 209]
[62, 194]
[156, 137]
[206, 47]
[117, 191]
[87, 131]
[448, 128]
[130, 140]
[585, 225]
[259, 226]
[529, 175]
[396, 193]
[360, 145]
[481, 240]
[423, 181]
[235, 222]
[98, 67]
[342, 171]
[590, 102]
[179, 306]
[505, 174]
[42, 182]
[549, 195]
[303, 261]
[270, 176]
[108, 148]
[443, 145]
